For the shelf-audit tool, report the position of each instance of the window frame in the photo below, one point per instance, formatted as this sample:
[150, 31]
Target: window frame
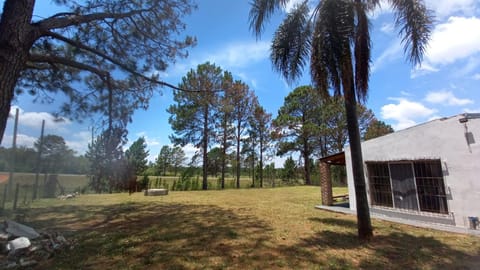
[428, 178]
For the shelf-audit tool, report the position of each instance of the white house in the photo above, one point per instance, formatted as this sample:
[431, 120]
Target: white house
[429, 172]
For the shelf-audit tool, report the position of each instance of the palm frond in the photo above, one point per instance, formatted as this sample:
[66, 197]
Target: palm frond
[260, 12]
[362, 51]
[331, 44]
[323, 65]
[291, 43]
[370, 5]
[415, 22]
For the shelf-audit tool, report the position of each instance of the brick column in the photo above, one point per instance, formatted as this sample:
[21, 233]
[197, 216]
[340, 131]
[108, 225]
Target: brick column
[326, 183]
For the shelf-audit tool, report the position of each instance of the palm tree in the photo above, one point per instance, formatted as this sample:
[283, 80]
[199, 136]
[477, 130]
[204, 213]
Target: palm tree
[336, 37]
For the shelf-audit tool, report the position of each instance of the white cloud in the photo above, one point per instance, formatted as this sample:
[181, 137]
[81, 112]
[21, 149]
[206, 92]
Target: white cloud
[445, 8]
[391, 53]
[34, 120]
[446, 98]
[435, 117]
[31, 123]
[477, 110]
[405, 93]
[153, 144]
[291, 4]
[252, 82]
[189, 150]
[476, 76]
[422, 69]
[456, 39]
[388, 28]
[441, 8]
[383, 8]
[469, 67]
[152, 141]
[406, 113]
[22, 140]
[149, 141]
[228, 57]
[80, 147]
[79, 141]
[240, 54]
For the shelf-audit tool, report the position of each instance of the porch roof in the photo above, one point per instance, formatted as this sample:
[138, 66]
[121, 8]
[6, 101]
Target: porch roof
[335, 159]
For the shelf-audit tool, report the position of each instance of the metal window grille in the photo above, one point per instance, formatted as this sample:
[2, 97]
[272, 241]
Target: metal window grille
[430, 186]
[379, 182]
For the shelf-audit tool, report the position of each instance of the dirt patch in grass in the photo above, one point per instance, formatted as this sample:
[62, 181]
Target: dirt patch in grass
[237, 229]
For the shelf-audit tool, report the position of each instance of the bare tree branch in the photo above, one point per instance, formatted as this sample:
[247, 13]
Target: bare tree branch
[63, 20]
[67, 62]
[116, 62]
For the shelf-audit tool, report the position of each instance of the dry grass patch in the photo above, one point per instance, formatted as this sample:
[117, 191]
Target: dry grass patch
[237, 229]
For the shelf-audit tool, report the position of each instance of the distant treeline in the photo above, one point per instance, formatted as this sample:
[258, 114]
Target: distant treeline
[26, 161]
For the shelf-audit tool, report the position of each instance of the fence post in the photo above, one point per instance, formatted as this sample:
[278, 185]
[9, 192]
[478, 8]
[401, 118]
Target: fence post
[15, 199]
[4, 197]
[39, 156]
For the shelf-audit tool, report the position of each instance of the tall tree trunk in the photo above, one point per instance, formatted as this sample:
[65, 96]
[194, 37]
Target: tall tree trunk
[365, 231]
[261, 160]
[222, 174]
[253, 163]
[224, 152]
[16, 38]
[238, 153]
[323, 146]
[205, 147]
[306, 162]
[306, 154]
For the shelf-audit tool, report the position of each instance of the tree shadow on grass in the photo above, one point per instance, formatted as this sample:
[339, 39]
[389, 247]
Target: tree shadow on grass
[181, 236]
[158, 236]
[349, 224]
[396, 250]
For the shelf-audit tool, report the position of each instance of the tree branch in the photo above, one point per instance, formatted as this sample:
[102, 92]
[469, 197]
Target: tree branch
[36, 58]
[63, 20]
[118, 63]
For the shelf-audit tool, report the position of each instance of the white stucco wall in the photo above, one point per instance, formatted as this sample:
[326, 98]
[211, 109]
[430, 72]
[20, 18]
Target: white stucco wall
[442, 139]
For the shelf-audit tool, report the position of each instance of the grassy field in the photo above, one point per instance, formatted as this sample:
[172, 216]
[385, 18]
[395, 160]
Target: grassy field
[71, 183]
[237, 229]
[213, 182]
[74, 182]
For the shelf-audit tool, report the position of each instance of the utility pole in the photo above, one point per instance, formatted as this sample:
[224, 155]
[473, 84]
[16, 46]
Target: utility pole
[39, 156]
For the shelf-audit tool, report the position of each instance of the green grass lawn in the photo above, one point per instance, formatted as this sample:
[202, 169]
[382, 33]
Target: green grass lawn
[68, 181]
[237, 229]
[71, 183]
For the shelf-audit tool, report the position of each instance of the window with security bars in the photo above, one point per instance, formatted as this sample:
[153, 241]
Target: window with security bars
[430, 186]
[379, 181]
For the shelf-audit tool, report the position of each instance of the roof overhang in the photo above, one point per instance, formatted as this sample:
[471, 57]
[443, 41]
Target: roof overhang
[335, 159]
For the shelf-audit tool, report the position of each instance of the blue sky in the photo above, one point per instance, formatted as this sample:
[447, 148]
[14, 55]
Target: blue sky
[400, 94]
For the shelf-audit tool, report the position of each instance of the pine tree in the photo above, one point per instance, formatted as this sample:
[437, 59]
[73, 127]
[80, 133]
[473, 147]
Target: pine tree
[137, 156]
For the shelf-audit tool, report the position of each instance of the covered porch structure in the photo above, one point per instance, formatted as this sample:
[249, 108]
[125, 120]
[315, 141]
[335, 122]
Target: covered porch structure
[325, 175]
